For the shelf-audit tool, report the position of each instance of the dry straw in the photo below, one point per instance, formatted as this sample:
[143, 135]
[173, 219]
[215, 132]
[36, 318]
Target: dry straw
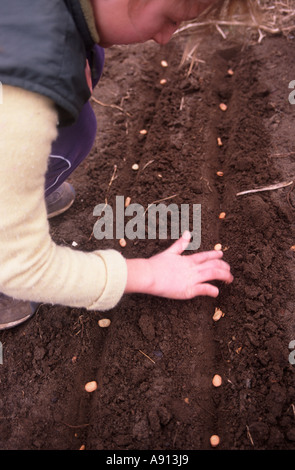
[251, 19]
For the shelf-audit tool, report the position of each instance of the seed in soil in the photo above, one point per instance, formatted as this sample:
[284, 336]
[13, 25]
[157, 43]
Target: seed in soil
[143, 131]
[217, 314]
[135, 166]
[74, 359]
[219, 173]
[163, 81]
[214, 440]
[104, 322]
[223, 106]
[164, 63]
[217, 380]
[122, 242]
[218, 247]
[91, 386]
[219, 142]
[230, 72]
[127, 201]
[222, 215]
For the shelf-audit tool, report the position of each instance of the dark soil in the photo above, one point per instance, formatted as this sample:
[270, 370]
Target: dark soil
[155, 363]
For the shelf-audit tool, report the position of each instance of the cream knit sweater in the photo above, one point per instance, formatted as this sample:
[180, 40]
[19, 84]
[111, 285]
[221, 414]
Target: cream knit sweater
[32, 266]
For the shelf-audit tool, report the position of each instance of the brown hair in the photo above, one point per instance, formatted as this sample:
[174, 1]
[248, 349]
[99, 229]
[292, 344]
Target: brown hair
[224, 8]
[229, 8]
[133, 4]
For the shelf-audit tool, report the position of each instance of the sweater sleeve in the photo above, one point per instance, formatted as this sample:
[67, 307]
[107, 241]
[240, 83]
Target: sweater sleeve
[33, 267]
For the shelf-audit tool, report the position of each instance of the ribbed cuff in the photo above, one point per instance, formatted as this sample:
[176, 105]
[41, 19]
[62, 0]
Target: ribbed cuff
[116, 279]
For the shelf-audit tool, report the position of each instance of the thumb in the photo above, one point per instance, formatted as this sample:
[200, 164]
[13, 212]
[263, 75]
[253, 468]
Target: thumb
[181, 244]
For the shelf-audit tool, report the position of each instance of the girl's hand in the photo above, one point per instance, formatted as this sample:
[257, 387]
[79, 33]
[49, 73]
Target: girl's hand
[173, 275]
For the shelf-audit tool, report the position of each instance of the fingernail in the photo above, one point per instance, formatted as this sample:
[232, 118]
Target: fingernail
[187, 235]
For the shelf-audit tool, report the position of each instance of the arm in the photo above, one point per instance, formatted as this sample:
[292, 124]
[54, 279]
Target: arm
[169, 274]
[33, 267]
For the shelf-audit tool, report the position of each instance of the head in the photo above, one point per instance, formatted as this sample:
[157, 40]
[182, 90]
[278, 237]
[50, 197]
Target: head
[135, 21]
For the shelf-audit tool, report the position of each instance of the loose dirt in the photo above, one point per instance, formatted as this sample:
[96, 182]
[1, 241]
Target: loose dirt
[154, 364]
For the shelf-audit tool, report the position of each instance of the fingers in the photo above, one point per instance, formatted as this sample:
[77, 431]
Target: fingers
[215, 274]
[207, 290]
[199, 258]
[201, 285]
[208, 264]
[181, 244]
[213, 264]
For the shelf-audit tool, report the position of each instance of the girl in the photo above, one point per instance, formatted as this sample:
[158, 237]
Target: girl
[51, 55]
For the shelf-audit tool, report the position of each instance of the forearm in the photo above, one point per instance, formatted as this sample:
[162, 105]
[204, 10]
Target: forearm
[139, 276]
[33, 267]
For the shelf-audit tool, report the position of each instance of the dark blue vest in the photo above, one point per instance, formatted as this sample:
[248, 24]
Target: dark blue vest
[43, 48]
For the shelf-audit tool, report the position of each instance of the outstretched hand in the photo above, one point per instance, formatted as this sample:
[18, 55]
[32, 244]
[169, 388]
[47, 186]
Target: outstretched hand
[176, 276]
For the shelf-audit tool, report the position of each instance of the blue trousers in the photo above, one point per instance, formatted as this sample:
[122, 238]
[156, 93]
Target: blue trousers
[74, 142]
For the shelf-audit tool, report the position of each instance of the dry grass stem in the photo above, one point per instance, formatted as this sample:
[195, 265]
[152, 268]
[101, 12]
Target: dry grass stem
[217, 23]
[146, 356]
[159, 200]
[113, 177]
[249, 435]
[147, 164]
[259, 17]
[110, 106]
[266, 188]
